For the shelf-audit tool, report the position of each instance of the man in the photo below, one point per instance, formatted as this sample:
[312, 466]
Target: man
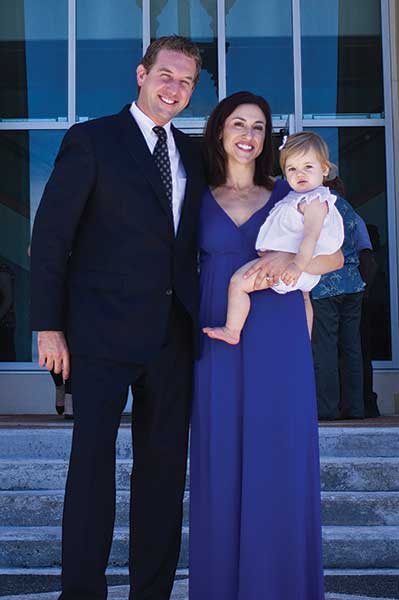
[114, 266]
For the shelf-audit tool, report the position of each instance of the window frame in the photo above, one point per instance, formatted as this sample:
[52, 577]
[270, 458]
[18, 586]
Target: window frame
[295, 122]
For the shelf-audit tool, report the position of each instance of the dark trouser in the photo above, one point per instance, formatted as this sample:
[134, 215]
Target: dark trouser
[160, 419]
[7, 344]
[336, 338]
[370, 397]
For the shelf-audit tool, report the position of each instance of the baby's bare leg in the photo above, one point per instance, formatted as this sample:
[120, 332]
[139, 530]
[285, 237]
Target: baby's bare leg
[237, 308]
[309, 312]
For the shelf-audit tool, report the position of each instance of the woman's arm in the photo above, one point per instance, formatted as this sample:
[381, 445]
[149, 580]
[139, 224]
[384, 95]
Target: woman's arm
[325, 263]
[274, 263]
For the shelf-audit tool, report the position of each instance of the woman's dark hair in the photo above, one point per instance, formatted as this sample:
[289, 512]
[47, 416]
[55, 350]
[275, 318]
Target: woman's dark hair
[214, 154]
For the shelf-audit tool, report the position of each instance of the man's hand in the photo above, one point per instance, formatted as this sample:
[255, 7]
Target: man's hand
[272, 264]
[53, 352]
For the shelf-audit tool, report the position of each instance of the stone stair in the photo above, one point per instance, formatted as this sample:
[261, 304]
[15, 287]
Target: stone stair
[180, 592]
[360, 500]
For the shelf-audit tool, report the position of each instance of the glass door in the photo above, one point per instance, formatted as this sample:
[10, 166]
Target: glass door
[322, 65]
[343, 92]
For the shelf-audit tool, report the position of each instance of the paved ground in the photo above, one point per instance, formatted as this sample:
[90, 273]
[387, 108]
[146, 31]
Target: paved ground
[179, 593]
[45, 421]
[371, 585]
[375, 584]
[115, 593]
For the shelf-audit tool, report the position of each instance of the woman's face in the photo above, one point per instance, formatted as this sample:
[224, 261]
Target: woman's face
[243, 133]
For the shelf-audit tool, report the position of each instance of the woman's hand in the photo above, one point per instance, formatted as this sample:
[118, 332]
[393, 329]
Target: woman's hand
[291, 274]
[271, 266]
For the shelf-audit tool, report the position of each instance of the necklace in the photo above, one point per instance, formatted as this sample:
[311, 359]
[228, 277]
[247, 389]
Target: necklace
[241, 193]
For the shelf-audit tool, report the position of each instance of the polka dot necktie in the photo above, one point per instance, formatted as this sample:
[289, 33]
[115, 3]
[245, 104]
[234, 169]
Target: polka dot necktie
[162, 161]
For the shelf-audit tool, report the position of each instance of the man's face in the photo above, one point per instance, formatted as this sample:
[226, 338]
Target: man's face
[165, 90]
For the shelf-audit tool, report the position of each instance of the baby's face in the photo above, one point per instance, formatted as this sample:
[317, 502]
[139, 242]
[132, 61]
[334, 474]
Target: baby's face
[304, 172]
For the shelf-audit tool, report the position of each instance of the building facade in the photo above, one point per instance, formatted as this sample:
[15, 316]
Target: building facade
[326, 65]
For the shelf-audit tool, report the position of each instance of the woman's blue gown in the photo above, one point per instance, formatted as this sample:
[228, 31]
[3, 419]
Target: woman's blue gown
[255, 531]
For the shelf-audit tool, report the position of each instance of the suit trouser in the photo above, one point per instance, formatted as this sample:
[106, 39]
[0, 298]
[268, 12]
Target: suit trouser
[160, 419]
[336, 338]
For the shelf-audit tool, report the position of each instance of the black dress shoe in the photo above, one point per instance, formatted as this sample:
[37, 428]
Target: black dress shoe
[353, 417]
[372, 414]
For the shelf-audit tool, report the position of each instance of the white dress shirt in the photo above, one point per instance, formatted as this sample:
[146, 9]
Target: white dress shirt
[177, 169]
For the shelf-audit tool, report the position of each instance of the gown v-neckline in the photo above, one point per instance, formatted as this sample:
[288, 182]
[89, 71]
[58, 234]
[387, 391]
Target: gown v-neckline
[230, 218]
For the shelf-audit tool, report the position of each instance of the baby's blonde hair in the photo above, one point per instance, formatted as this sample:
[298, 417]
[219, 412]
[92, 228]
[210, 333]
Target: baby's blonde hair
[299, 143]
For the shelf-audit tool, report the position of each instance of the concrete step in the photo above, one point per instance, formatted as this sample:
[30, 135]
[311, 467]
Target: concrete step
[14, 582]
[44, 508]
[334, 596]
[375, 547]
[359, 474]
[359, 441]
[360, 508]
[337, 474]
[32, 547]
[25, 474]
[359, 582]
[48, 474]
[334, 442]
[363, 582]
[180, 592]
[343, 547]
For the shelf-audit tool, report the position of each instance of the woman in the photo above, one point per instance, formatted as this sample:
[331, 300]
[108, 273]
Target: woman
[255, 495]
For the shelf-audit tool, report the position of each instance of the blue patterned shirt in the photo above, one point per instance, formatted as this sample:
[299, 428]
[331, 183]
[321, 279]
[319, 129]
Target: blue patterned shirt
[346, 280]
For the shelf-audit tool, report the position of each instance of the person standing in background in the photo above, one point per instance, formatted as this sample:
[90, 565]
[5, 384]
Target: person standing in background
[7, 314]
[336, 344]
[368, 269]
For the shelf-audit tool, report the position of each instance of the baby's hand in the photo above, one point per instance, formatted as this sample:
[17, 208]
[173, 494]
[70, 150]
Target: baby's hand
[291, 274]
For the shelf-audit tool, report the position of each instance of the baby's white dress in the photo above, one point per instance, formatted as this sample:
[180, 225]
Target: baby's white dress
[283, 230]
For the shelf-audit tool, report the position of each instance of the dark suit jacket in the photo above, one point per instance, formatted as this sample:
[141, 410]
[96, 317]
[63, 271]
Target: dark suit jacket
[104, 254]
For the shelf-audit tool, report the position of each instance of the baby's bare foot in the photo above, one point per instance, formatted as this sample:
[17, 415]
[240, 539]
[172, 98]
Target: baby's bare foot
[224, 334]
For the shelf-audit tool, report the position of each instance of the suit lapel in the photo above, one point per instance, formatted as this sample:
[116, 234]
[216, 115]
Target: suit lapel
[138, 150]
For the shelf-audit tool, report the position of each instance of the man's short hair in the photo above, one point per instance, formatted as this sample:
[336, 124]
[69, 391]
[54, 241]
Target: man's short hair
[176, 43]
